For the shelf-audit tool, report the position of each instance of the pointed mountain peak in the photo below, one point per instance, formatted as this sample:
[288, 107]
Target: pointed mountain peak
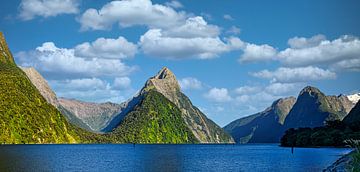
[164, 82]
[5, 54]
[310, 90]
[165, 73]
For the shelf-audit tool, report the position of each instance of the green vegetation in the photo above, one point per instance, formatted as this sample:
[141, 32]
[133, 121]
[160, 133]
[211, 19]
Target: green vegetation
[355, 155]
[333, 134]
[154, 120]
[25, 116]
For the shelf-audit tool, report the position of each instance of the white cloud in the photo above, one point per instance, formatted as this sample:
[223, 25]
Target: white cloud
[154, 43]
[247, 90]
[121, 83]
[131, 12]
[174, 4]
[219, 95]
[278, 89]
[29, 9]
[228, 17]
[193, 27]
[253, 52]
[62, 62]
[292, 75]
[88, 89]
[190, 83]
[118, 48]
[301, 42]
[234, 30]
[322, 52]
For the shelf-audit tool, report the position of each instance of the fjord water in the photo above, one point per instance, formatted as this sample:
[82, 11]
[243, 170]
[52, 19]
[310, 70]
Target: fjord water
[128, 157]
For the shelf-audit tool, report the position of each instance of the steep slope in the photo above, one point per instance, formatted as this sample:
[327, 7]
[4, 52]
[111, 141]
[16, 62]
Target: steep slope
[313, 108]
[263, 127]
[25, 116]
[354, 115]
[204, 129]
[154, 120]
[43, 87]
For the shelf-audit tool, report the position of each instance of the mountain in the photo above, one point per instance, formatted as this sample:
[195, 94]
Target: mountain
[25, 115]
[154, 120]
[313, 108]
[95, 115]
[263, 127]
[204, 129]
[354, 115]
[334, 133]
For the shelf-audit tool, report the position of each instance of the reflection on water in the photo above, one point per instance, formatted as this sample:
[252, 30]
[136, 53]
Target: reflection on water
[252, 157]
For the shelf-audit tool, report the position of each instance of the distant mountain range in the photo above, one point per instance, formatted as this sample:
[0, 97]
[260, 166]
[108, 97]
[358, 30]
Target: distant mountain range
[311, 109]
[159, 113]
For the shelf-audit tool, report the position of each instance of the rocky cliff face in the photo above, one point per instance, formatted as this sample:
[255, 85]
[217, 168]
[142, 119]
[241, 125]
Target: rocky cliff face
[205, 130]
[354, 115]
[42, 85]
[263, 127]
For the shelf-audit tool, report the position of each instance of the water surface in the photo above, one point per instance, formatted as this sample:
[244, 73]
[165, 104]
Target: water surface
[127, 157]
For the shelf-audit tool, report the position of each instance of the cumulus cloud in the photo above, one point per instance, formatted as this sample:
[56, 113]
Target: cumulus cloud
[190, 83]
[341, 53]
[301, 42]
[247, 90]
[300, 74]
[193, 27]
[218, 95]
[253, 52]
[62, 62]
[174, 4]
[228, 17]
[156, 44]
[131, 12]
[320, 51]
[263, 96]
[118, 48]
[29, 9]
[88, 89]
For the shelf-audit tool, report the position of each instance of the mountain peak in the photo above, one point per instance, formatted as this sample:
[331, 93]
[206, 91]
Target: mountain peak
[164, 82]
[165, 73]
[310, 90]
[5, 54]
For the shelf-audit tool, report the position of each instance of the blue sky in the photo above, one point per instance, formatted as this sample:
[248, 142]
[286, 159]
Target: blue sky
[232, 58]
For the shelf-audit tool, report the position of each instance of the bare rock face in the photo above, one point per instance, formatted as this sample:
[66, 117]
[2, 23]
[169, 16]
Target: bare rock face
[95, 115]
[42, 85]
[205, 130]
[164, 82]
[283, 107]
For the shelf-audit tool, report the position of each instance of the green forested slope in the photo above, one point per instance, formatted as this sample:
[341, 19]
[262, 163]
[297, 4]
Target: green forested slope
[154, 120]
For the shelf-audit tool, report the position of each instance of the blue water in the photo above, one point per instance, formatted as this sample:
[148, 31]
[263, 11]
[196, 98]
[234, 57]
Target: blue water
[251, 157]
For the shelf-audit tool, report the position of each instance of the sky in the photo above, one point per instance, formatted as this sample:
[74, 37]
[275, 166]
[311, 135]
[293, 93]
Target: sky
[232, 58]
